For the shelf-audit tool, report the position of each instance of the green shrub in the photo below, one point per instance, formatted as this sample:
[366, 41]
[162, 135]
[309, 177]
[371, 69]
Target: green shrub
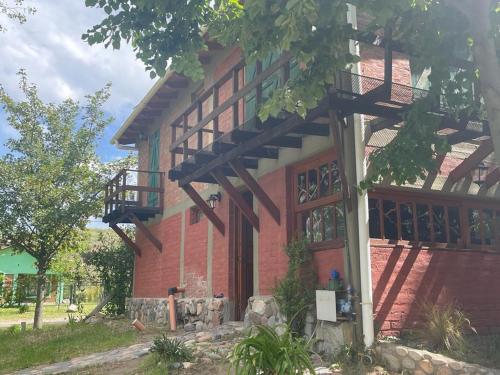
[14, 329]
[444, 327]
[171, 350]
[269, 353]
[295, 292]
[24, 309]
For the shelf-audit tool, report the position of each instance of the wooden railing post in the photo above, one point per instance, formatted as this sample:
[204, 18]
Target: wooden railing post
[215, 104]
[186, 143]
[236, 84]
[161, 193]
[200, 117]
[124, 192]
[173, 154]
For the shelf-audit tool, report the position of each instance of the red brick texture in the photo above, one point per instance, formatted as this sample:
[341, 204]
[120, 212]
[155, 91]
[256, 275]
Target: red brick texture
[405, 278]
[155, 272]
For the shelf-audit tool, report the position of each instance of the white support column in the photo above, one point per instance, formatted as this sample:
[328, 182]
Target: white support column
[363, 227]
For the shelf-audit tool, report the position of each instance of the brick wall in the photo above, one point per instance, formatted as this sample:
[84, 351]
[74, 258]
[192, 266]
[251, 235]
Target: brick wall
[155, 272]
[404, 278]
[195, 258]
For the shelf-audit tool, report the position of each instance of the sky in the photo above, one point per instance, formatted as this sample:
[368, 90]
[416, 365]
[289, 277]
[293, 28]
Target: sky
[49, 47]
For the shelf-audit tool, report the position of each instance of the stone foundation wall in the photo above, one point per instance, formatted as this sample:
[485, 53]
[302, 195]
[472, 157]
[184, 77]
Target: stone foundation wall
[329, 337]
[196, 314]
[422, 362]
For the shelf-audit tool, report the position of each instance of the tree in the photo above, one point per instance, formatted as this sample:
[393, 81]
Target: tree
[49, 178]
[434, 32]
[114, 264]
[15, 10]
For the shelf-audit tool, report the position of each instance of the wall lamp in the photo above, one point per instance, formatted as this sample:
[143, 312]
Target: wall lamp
[213, 199]
[478, 173]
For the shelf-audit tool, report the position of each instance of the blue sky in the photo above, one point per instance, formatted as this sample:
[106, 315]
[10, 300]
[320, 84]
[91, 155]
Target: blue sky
[50, 48]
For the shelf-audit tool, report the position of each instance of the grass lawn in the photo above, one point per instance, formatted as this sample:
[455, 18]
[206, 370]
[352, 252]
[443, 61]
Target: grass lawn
[60, 343]
[49, 312]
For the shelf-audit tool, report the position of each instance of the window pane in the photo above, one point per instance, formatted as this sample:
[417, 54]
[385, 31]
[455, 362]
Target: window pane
[390, 220]
[340, 220]
[323, 181]
[439, 224]
[336, 185]
[328, 218]
[406, 212]
[305, 222]
[312, 175]
[474, 226]
[488, 227]
[301, 188]
[317, 235]
[454, 224]
[423, 223]
[374, 216]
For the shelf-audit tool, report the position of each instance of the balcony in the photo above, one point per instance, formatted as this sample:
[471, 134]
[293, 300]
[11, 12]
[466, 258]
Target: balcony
[133, 195]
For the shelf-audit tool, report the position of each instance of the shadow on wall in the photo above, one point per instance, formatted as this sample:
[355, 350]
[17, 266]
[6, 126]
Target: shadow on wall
[406, 278]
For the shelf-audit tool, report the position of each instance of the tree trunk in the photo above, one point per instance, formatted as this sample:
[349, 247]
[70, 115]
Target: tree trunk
[486, 60]
[41, 282]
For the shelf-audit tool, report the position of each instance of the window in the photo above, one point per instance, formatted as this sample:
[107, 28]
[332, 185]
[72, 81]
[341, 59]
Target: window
[319, 209]
[422, 219]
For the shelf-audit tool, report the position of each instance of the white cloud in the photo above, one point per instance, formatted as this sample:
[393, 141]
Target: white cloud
[50, 48]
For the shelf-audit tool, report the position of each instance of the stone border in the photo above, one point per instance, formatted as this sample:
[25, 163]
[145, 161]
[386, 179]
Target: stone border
[423, 362]
[196, 314]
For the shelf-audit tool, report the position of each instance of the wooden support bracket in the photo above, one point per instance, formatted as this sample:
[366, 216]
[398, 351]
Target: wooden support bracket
[255, 188]
[236, 197]
[492, 178]
[203, 206]
[126, 239]
[466, 166]
[150, 236]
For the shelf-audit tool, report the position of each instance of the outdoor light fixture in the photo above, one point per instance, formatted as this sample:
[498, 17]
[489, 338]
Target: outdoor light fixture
[213, 199]
[478, 173]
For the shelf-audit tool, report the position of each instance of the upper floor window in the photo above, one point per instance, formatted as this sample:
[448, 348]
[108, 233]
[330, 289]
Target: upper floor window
[447, 222]
[318, 205]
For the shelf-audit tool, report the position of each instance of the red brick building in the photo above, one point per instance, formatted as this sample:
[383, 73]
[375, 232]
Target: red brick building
[437, 240]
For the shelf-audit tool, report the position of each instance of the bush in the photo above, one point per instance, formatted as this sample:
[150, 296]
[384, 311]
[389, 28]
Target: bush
[295, 292]
[24, 309]
[269, 353]
[444, 327]
[171, 350]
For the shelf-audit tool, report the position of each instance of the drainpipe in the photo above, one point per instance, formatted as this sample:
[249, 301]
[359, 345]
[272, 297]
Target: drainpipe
[363, 228]
[171, 305]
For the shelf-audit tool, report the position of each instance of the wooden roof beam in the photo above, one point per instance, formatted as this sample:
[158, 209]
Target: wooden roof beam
[256, 189]
[259, 152]
[203, 206]
[464, 168]
[492, 178]
[236, 197]
[144, 229]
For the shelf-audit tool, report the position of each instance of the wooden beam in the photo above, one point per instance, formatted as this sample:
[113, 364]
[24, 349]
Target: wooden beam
[313, 129]
[126, 239]
[484, 149]
[492, 178]
[259, 140]
[240, 136]
[255, 188]
[236, 197]
[203, 206]
[259, 152]
[150, 236]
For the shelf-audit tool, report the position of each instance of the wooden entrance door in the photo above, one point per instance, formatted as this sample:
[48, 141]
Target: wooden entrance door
[243, 257]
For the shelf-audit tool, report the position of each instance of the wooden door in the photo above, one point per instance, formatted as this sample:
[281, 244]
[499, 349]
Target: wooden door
[243, 251]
